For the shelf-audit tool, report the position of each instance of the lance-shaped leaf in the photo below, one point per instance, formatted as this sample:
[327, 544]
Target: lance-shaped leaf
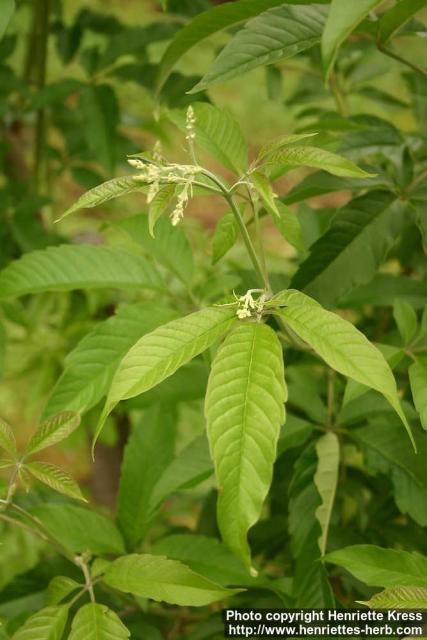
[276, 145]
[46, 624]
[90, 367]
[418, 381]
[104, 192]
[60, 587]
[226, 234]
[326, 479]
[71, 267]
[362, 233]
[164, 580]
[344, 16]
[276, 34]
[217, 133]
[406, 319]
[7, 438]
[265, 190]
[55, 478]
[306, 156]
[244, 411]
[341, 345]
[53, 430]
[378, 567]
[398, 598]
[159, 205]
[97, 622]
[397, 16]
[159, 354]
[288, 225]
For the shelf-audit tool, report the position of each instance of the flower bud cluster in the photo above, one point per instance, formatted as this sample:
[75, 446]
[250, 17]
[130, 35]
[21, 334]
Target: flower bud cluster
[248, 306]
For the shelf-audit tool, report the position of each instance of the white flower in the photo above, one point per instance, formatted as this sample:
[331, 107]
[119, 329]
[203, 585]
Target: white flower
[248, 306]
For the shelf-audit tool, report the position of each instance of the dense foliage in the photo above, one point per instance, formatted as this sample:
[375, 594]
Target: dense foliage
[233, 324]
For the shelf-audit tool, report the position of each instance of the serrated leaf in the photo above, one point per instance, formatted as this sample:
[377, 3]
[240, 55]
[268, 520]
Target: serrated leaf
[406, 319]
[47, 624]
[276, 145]
[386, 450]
[306, 156]
[326, 480]
[341, 345]
[276, 34]
[60, 587]
[159, 205]
[343, 18]
[97, 622]
[288, 225]
[69, 267]
[7, 438]
[362, 233]
[148, 452]
[244, 409]
[90, 367]
[157, 355]
[225, 236]
[53, 430]
[396, 17]
[378, 567]
[104, 192]
[418, 380]
[163, 580]
[55, 478]
[217, 133]
[320, 183]
[398, 598]
[6, 13]
[265, 190]
[79, 528]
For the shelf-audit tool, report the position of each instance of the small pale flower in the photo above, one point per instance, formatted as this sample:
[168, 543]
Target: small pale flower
[135, 163]
[248, 306]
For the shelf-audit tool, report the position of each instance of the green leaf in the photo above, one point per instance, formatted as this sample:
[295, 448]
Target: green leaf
[163, 580]
[383, 289]
[276, 34]
[100, 112]
[60, 587]
[97, 622]
[55, 478]
[79, 528]
[265, 190]
[276, 145]
[288, 225]
[157, 355]
[326, 480]
[317, 158]
[90, 367]
[104, 192]
[159, 205]
[148, 452]
[7, 438]
[343, 18]
[398, 16]
[7, 8]
[398, 598]
[421, 219]
[341, 345]
[207, 23]
[71, 267]
[320, 183]
[387, 451]
[225, 236]
[217, 133]
[378, 567]
[362, 234]
[406, 319]
[47, 624]
[170, 246]
[418, 380]
[244, 411]
[53, 430]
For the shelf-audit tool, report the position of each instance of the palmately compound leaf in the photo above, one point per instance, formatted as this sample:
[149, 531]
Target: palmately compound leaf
[158, 354]
[398, 598]
[418, 381]
[53, 430]
[244, 410]
[340, 344]
[69, 267]
[163, 580]
[55, 478]
[378, 567]
[46, 624]
[7, 438]
[343, 18]
[276, 34]
[306, 156]
[326, 480]
[104, 192]
[97, 622]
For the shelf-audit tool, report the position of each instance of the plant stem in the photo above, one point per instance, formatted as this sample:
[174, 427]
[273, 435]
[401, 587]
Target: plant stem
[41, 23]
[338, 95]
[399, 58]
[258, 230]
[80, 561]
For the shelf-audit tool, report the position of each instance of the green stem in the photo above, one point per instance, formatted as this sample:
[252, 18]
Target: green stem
[41, 18]
[258, 231]
[399, 58]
